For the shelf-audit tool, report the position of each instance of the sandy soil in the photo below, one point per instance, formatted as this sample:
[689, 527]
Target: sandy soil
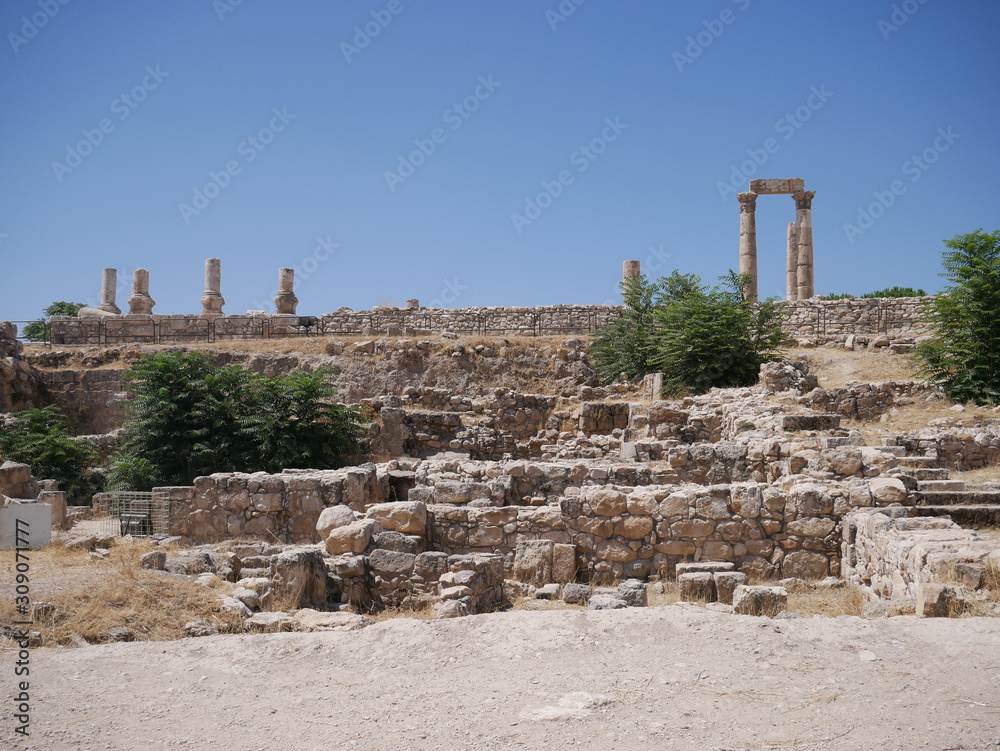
[675, 677]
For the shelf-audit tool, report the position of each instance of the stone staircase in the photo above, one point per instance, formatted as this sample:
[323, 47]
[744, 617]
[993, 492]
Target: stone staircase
[937, 495]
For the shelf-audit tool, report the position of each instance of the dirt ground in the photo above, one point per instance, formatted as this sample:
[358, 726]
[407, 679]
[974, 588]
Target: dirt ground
[675, 677]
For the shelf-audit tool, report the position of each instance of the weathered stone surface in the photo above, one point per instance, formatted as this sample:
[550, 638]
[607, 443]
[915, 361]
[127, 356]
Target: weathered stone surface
[726, 583]
[533, 562]
[155, 559]
[805, 564]
[698, 586]
[577, 594]
[886, 490]
[353, 538]
[333, 517]
[402, 516]
[633, 592]
[389, 562]
[563, 563]
[762, 601]
[606, 602]
[605, 501]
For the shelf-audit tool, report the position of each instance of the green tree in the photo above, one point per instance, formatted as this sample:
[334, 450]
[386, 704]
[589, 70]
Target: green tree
[39, 438]
[189, 417]
[963, 357]
[713, 337]
[36, 330]
[698, 336]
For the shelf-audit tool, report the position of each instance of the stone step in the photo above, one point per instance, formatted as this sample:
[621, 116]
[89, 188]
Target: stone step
[964, 516]
[939, 486]
[810, 422]
[899, 451]
[918, 461]
[955, 497]
[928, 473]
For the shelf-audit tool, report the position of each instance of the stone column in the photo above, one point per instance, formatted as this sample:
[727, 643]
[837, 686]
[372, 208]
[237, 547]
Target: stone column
[140, 303]
[748, 242]
[413, 304]
[212, 301]
[792, 264]
[109, 291]
[631, 270]
[285, 301]
[803, 225]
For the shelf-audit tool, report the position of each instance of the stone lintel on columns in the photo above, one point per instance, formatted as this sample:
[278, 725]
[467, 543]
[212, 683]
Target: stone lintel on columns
[773, 187]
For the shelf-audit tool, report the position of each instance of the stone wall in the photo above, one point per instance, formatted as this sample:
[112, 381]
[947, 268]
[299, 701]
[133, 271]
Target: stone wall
[93, 400]
[621, 519]
[956, 447]
[19, 381]
[817, 320]
[929, 564]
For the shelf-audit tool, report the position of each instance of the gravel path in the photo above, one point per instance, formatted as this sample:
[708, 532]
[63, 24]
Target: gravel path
[675, 677]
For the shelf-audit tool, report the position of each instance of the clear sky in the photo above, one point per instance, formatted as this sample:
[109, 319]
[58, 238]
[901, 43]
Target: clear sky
[483, 153]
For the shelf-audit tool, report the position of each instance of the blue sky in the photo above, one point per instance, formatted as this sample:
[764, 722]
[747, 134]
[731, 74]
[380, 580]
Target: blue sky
[483, 153]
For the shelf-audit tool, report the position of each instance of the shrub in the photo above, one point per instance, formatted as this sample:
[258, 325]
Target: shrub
[36, 330]
[888, 292]
[39, 438]
[189, 417]
[963, 358]
[699, 337]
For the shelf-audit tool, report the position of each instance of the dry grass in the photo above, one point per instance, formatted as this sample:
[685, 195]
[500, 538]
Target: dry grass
[94, 597]
[835, 367]
[977, 476]
[671, 593]
[828, 602]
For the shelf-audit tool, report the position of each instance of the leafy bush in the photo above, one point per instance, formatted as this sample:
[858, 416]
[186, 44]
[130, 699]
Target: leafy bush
[39, 438]
[35, 331]
[191, 418]
[888, 292]
[963, 358]
[699, 337]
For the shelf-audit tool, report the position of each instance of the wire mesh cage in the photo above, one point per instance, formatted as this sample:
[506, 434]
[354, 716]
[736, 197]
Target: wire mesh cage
[133, 513]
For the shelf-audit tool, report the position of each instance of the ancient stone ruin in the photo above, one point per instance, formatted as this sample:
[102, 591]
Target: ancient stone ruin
[799, 258]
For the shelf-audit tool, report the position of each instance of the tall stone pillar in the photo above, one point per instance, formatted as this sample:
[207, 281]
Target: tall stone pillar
[792, 264]
[140, 303]
[631, 270]
[803, 224]
[109, 291]
[212, 300]
[748, 242]
[285, 301]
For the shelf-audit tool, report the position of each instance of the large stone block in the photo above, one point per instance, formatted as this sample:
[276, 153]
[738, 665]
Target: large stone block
[352, 538]
[391, 563]
[533, 562]
[804, 564]
[756, 600]
[605, 501]
[886, 490]
[697, 586]
[615, 551]
[726, 583]
[409, 517]
[563, 563]
[333, 517]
